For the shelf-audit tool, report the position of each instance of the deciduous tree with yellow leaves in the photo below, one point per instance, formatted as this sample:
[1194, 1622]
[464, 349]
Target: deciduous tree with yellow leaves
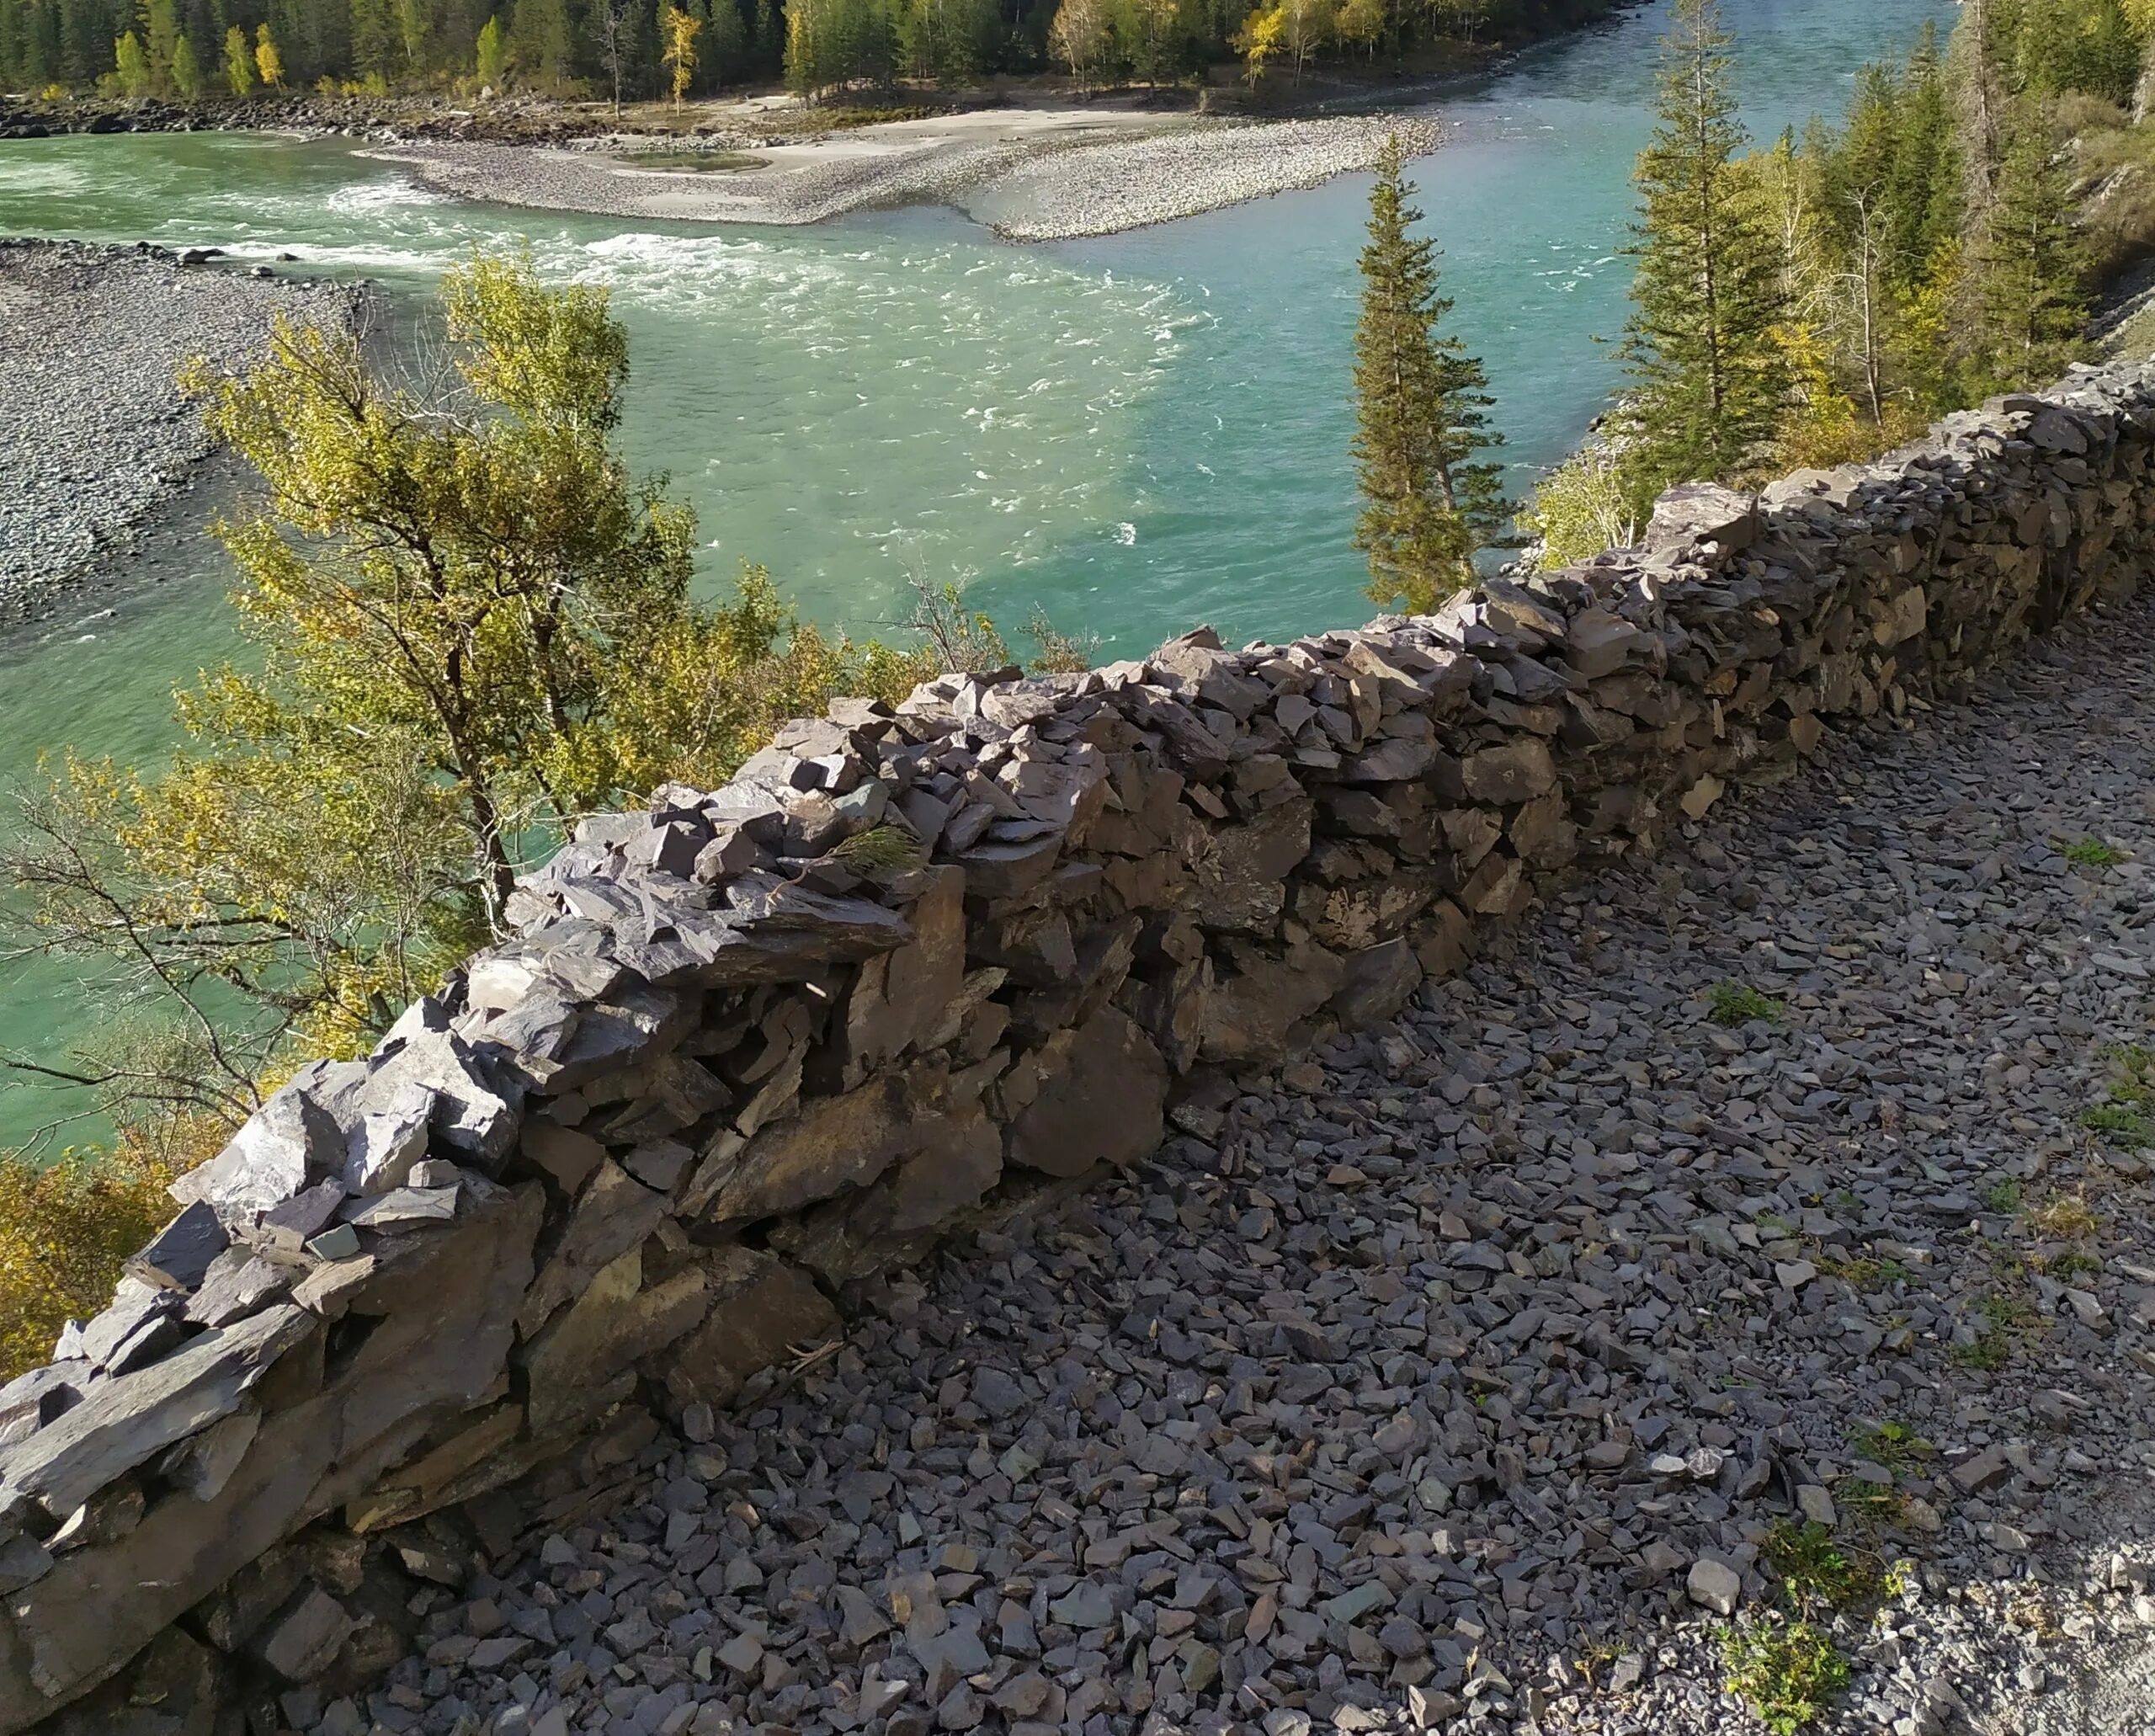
[472, 625]
[677, 30]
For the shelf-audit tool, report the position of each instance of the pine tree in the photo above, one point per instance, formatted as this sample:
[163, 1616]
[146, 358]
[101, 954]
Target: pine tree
[1708, 380]
[1976, 52]
[239, 62]
[726, 45]
[1925, 191]
[1430, 499]
[415, 29]
[377, 43]
[541, 44]
[2030, 260]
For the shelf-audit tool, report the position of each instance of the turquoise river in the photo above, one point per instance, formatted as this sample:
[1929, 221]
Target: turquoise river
[1138, 433]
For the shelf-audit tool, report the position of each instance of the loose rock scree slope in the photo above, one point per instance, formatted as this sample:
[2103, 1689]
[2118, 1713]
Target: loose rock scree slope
[1408, 1385]
[746, 1053]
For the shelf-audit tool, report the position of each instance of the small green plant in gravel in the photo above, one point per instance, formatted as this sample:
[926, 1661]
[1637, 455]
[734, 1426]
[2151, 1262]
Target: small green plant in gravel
[1816, 1573]
[1895, 1445]
[2002, 1195]
[2090, 852]
[1732, 1002]
[2002, 1317]
[1870, 1507]
[1788, 1672]
[2126, 1126]
[2127, 1116]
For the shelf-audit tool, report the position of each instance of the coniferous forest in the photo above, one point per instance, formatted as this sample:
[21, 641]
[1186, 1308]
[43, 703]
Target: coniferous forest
[193, 51]
[1819, 298]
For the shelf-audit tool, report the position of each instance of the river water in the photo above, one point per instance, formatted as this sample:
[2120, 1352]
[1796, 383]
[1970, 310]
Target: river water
[1138, 433]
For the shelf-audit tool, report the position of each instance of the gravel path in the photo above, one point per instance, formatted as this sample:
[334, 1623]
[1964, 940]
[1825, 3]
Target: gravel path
[1464, 1375]
[1025, 176]
[95, 432]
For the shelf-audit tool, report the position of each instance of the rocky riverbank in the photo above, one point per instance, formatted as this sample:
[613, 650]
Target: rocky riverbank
[1468, 1375]
[97, 434]
[1033, 174]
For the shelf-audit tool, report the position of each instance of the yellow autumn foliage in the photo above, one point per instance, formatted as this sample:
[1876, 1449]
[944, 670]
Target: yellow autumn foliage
[64, 1230]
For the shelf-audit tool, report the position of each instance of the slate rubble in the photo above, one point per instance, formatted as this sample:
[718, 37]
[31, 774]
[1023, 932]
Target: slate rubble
[739, 1060]
[1452, 1378]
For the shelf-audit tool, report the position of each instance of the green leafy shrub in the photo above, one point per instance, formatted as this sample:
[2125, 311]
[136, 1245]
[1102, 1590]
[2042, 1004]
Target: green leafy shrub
[1788, 1672]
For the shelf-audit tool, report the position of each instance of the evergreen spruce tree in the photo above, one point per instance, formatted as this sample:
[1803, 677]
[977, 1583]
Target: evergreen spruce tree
[2030, 257]
[1926, 191]
[377, 43]
[1977, 52]
[1430, 499]
[1708, 380]
[160, 42]
[542, 44]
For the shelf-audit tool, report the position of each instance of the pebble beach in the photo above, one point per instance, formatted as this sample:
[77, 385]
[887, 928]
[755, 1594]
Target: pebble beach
[97, 432]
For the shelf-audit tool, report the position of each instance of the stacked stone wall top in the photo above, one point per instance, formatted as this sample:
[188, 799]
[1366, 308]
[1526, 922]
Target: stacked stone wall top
[743, 1049]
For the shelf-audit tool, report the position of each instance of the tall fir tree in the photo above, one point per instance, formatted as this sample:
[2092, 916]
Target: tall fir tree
[1926, 188]
[1708, 380]
[1430, 498]
[2029, 258]
[542, 44]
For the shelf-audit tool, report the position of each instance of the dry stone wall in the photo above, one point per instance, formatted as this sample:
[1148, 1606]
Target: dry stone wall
[744, 1049]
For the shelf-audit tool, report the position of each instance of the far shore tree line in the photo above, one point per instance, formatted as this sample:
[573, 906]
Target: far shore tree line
[203, 50]
[1816, 303]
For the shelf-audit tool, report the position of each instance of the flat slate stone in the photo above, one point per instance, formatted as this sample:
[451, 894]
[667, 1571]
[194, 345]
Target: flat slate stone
[122, 1421]
[238, 1282]
[402, 1208]
[181, 1256]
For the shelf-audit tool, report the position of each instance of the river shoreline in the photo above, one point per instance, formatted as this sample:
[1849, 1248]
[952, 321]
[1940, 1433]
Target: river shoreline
[1030, 174]
[100, 440]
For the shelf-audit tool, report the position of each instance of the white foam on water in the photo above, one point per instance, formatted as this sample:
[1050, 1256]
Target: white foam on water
[41, 177]
[385, 192]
